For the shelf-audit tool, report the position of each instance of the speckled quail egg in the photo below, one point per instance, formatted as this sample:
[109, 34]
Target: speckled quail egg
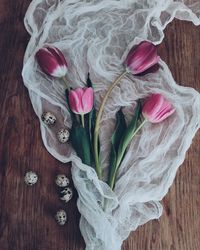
[62, 180]
[61, 217]
[48, 118]
[63, 135]
[66, 194]
[30, 178]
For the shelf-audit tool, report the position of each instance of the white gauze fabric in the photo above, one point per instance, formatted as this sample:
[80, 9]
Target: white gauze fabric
[95, 36]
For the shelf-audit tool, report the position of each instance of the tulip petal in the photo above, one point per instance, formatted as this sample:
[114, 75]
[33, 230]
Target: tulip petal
[142, 57]
[153, 105]
[46, 61]
[147, 64]
[87, 100]
[60, 71]
[156, 108]
[58, 55]
[74, 102]
[166, 115]
[152, 69]
[80, 92]
[166, 111]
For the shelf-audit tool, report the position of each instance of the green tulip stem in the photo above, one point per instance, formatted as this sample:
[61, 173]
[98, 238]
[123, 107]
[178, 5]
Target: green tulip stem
[120, 157]
[98, 120]
[82, 120]
[66, 82]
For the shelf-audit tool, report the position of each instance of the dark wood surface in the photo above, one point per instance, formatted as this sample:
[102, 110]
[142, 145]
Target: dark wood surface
[26, 213]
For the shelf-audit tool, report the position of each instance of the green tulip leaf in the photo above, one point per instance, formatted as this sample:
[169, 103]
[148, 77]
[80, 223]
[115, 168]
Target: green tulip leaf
[89, 82]
[117, 136]
[81, 143]
[126, 138]
[129, 133]
[91, 121]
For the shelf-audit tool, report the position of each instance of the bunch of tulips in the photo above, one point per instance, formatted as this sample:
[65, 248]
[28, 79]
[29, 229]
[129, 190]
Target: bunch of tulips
[86, 119]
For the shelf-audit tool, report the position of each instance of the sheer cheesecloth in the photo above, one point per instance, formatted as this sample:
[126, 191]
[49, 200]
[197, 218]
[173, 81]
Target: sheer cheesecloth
[95, 37]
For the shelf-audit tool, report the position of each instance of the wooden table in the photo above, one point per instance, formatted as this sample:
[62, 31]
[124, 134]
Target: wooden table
[26, 213]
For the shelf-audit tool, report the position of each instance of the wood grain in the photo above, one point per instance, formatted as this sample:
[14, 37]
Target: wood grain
[26, 213]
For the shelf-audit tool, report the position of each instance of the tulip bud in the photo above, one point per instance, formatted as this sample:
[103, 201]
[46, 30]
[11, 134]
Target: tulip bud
[52, 61]
[141, 58]
[157, 108]
[81, 100]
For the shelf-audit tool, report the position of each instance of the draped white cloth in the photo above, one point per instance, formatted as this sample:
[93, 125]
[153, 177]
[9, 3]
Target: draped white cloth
[95, 36]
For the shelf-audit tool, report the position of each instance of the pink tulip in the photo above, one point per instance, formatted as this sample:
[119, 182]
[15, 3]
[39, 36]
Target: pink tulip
[157, 108]
[141, 58]
[81, 100]
[52, 61]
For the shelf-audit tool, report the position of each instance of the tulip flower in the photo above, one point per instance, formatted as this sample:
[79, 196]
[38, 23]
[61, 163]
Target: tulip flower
[52, 61]
[141, 58]
[81, 101]
[157, 108]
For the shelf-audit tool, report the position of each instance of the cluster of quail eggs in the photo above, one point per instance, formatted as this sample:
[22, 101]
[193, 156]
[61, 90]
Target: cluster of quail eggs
[49, 119]
[65, 194]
